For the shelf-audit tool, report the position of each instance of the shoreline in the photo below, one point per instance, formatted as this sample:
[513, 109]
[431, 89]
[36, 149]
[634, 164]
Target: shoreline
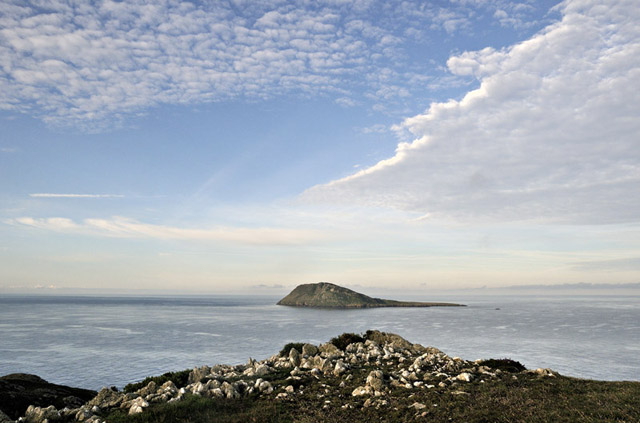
[376, 374]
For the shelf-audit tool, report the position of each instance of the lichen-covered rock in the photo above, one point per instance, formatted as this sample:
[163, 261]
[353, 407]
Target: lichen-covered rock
[199, 373]
[40, 414]
[329, 350]
[107, 398]
[309, 350]
[294, 357]
[138, 405]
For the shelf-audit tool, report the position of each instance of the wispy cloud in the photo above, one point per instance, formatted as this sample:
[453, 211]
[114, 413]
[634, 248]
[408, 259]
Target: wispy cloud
[550, 134]
[54, 195]
[91, 65]
[121, 227]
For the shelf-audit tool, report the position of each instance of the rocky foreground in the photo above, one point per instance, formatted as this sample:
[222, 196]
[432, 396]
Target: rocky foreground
[352, 378]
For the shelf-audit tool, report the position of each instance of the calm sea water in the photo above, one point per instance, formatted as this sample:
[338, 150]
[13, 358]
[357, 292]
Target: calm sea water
[92, 342]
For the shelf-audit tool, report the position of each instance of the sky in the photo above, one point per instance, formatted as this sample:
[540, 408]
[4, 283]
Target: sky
[250, 146]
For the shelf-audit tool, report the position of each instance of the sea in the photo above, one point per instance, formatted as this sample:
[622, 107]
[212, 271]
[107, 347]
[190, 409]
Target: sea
[92, 341]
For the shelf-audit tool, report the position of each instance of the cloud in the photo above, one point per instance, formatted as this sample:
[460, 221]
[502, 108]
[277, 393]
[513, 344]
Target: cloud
[121, 227]
[53, 195]
[8, 149]
[624, 264]
[551, 133]
[93, 65]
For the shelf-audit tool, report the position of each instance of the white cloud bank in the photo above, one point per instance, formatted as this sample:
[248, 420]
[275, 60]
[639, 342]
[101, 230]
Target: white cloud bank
[121, 227]
[552, 133]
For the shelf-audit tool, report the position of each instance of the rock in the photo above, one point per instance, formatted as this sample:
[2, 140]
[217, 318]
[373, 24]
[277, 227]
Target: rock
[39, 414]
[340, 368]
[262, 370]
[151, 388]
[290, 389]
[19, 390]
[199, 373]
[418, 406]
[264, 386]
[107, 398]
[83, 414]
[465, 377]
[4, 418]
[376, 380]
[138, 405]
[329, 350]
[309, 350]
[169, 387]
[229, 390]
[294, 357]
[361, 390]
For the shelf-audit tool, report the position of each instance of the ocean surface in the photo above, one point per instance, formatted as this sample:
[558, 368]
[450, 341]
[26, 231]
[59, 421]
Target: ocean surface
[92, 342]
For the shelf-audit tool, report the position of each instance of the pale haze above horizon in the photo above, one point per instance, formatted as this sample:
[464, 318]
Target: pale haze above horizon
[250, 146]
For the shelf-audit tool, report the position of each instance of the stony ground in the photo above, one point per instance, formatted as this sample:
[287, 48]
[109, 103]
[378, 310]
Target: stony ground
[378, 377]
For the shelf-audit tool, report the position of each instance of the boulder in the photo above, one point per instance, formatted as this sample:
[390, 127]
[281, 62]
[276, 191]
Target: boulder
[309, 350]
[199, 373]
[39, 414]
[138, 405]
[340, 368]
[19, 390]
[294, 357]
[376, 380]
[329, 350]
[107, 398]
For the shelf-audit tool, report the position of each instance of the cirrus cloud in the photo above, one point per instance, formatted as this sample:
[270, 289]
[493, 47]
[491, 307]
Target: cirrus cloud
[121, 227]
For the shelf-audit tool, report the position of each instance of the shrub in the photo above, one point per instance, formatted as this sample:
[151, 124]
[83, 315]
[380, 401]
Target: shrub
[180, 378]
[504, 364]
[284, 352]
[345, 339]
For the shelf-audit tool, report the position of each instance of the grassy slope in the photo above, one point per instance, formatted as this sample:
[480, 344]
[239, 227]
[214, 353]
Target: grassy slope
[527, 399]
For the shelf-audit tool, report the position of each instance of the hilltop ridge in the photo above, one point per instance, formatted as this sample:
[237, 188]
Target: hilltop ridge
[372, 377]
[329, 295]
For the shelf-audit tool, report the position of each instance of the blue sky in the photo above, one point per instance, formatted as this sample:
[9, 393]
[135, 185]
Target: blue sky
[227, 146]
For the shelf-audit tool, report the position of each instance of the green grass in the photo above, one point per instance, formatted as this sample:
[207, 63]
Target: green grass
[198, 409]
[525, 399]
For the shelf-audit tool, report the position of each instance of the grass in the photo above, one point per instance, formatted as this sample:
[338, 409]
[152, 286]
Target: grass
[525, 398]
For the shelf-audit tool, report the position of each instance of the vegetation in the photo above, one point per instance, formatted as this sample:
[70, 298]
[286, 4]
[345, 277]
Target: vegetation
[345, 339]
[525, 398]
[180, 378]
[287, 348]
[504, 364]
[328, 295]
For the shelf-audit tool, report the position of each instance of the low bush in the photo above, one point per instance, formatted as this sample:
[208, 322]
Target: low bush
[287, 348]
[504, 364]
[345, 339]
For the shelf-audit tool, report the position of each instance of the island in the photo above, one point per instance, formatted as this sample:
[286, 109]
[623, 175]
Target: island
[329, 295]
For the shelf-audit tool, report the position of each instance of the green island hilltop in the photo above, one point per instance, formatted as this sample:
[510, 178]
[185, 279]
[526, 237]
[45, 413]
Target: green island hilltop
[329, 295]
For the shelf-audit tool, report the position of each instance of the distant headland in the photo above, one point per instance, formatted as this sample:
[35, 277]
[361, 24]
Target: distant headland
[328, 295]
